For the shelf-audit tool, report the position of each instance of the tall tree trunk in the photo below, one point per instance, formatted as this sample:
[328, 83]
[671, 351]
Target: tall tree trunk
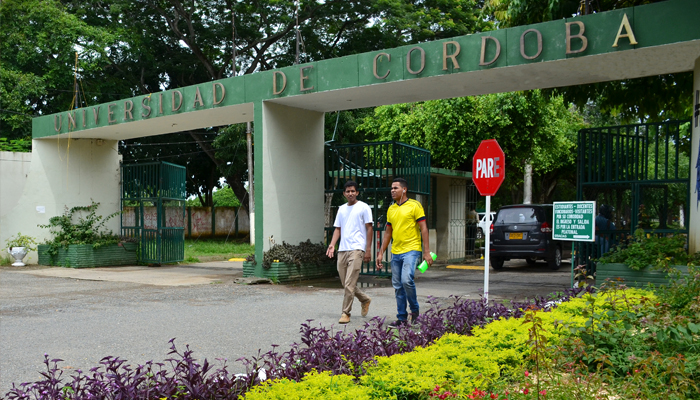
[527, 184]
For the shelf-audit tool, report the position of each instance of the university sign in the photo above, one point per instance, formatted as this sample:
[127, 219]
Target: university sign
[620, 30]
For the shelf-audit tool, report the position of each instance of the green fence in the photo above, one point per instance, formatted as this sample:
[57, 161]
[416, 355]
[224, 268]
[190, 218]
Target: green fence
[642, 172]
[159, 185]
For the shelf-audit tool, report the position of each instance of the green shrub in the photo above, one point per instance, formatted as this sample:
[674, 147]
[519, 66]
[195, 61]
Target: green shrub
[455, 362]
[645, 250]
[313, 386]
[88, 229]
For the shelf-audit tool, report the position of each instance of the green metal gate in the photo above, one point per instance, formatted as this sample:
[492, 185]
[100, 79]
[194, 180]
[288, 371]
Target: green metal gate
[643, 172]
[373, 166]
[153, 210]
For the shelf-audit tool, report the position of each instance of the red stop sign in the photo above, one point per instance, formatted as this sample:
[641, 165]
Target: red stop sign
[488, 167]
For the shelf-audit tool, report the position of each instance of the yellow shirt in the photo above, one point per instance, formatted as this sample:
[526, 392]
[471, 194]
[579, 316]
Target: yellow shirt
[404, 220]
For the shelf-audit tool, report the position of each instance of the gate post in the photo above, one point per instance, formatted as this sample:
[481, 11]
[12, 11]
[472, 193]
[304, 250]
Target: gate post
[289, 177]
[694, 225]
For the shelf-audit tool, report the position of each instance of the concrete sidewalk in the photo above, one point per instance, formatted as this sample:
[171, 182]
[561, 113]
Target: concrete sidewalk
[166, 275]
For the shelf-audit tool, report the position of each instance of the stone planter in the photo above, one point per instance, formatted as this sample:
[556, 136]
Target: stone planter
[18, 253]
[283, 272]
[631, 277]
[85, 256]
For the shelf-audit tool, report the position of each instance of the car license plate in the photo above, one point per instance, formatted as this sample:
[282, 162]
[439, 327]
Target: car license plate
[515, 235]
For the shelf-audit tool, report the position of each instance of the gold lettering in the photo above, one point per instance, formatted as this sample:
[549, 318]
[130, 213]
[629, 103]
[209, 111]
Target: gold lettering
[172, 97]
[223, 93]
[71, 121]
[198, 99]
[146, 99]
[275, 91]
[539, 44]
[110, 113]
[628, 32]
[303, 78]
[128, 108]
[59, 118]
[374, 66]
[96, 114]
[581, 30]
[453, 57]
[84, 117]
[160, 103]
[422, 61]
[484, 39]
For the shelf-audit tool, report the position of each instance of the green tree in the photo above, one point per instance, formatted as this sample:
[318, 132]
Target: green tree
[530, 127]
[222, 197]
[648, 99]
[42, 51]
[170, 44]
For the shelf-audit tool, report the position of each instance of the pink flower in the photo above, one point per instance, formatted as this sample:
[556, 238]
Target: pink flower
[527, 373]
[543, 392]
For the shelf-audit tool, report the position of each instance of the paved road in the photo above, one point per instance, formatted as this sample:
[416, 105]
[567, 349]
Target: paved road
[81, 316]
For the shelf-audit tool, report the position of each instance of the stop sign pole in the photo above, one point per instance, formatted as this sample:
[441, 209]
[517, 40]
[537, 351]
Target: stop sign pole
[488, 173]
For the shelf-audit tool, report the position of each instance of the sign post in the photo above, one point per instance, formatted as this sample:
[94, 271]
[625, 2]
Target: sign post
[488, 173]
[574, 221]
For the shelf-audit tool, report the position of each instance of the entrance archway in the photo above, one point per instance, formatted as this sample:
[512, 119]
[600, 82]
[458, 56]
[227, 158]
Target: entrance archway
[287, 107]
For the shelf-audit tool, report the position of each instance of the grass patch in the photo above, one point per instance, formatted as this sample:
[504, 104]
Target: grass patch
[200, 250]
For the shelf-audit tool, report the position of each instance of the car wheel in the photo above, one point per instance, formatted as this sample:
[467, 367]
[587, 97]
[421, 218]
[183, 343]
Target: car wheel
[531, 261]
[479, 233]
[496, 263]
[555, 261]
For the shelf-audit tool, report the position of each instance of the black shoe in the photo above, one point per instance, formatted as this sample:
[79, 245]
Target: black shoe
[398, 323]
[412, 317]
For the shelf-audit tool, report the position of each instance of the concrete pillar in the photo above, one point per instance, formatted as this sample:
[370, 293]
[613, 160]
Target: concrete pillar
[63, 174]
[289, 201]
[694, 206]
[442, 220]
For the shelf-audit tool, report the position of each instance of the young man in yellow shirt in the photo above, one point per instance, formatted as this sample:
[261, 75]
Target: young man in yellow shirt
[406, 226]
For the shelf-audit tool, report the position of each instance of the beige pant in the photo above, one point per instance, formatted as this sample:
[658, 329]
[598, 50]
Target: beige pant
[349, 264]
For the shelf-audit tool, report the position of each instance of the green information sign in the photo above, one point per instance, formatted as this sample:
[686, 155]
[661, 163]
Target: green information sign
[574, 220]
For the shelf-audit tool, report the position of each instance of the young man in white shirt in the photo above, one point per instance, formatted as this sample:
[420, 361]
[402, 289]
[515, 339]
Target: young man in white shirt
[353, 225]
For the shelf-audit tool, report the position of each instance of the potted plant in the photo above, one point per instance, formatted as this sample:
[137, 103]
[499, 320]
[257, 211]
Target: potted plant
[80, 241]
[646, 258]
[18, 247]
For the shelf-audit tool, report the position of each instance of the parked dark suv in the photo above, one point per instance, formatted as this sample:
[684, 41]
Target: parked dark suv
[524, 231]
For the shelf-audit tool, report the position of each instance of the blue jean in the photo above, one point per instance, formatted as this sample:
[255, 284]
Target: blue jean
[403, 270]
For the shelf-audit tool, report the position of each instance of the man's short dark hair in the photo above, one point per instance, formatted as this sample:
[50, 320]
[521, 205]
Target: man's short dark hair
[351, 183]
[401, 181]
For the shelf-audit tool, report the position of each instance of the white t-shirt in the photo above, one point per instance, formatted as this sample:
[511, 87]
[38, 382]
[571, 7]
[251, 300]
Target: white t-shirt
[351, 220]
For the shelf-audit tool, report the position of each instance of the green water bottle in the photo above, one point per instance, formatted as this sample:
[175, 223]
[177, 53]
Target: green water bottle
[422, 267]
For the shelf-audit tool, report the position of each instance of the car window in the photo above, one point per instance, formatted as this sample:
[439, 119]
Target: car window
[520, 215]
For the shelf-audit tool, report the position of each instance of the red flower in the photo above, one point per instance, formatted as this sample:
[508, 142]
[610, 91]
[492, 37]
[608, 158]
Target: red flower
[527, 373]
[526, 391]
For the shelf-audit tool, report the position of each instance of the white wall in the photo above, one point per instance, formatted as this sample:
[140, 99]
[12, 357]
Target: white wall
[694, 228]
[64, 173]
[14, 169]
[292, 175]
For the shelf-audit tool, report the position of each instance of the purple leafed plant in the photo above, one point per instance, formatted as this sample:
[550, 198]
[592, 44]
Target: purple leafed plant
[320, 348]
